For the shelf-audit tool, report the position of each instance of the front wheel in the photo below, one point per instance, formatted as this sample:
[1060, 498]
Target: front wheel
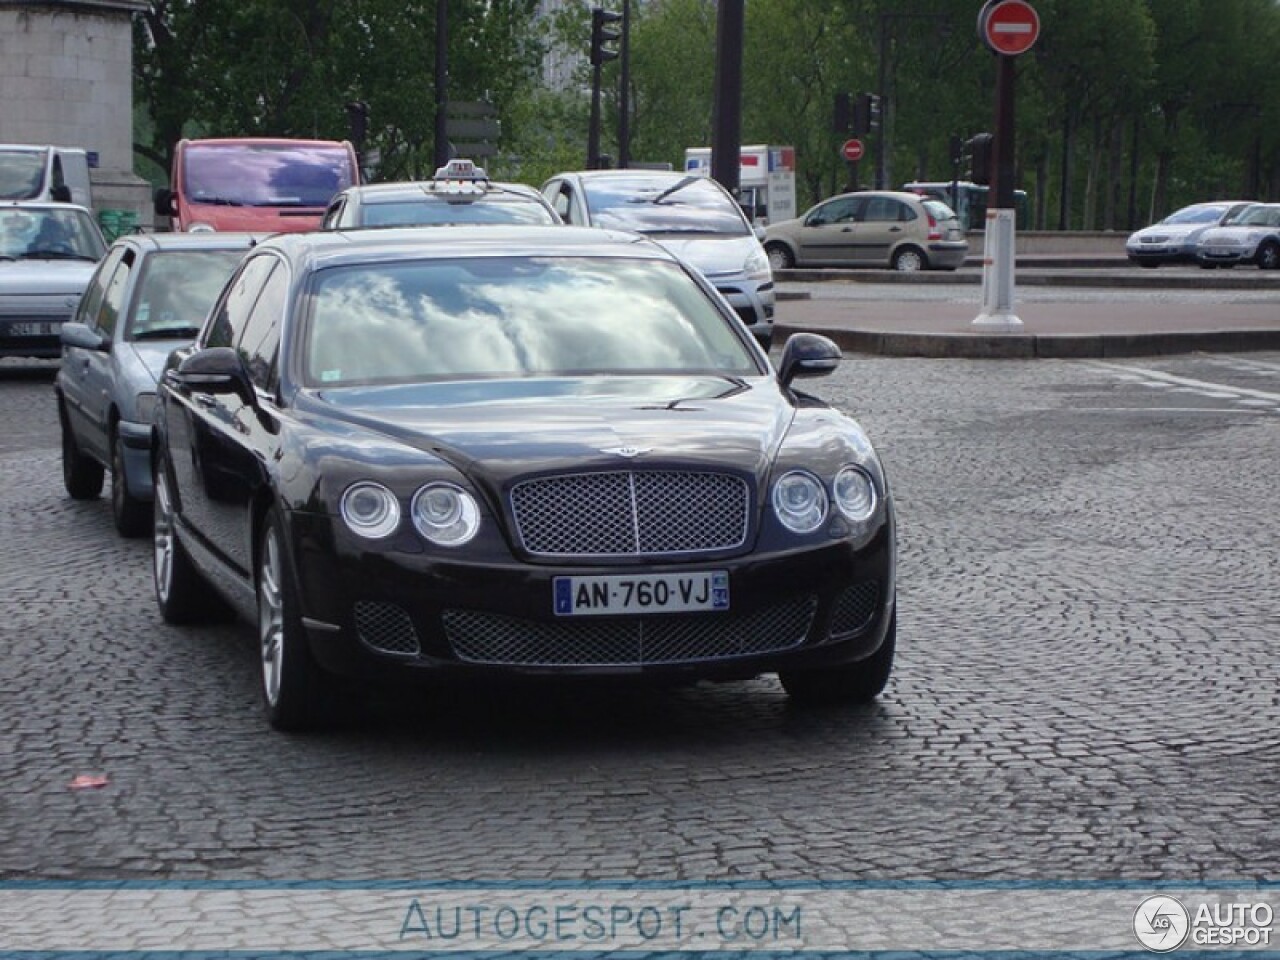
[908, 260]
[294, 690]
[780, 258]
[131, 515]
[854, 683]
[1269, 255]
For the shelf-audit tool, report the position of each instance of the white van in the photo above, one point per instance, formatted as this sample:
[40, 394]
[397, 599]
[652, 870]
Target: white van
[39, 172]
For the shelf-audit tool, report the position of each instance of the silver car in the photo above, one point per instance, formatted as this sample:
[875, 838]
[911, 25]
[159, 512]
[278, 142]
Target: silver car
[871, 228]
[692, 216]
[1174, 239]
[148, 297]
[1253, 236]
[48, 252]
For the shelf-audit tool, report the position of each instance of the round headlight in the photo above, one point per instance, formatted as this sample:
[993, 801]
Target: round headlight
[370, 510]
[855, 494]
[446, 515]
[800, 502]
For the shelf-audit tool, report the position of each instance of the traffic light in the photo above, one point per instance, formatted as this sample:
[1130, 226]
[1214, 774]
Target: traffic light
[866, 114]
[602, 36]
[842, 116]
[980, 158]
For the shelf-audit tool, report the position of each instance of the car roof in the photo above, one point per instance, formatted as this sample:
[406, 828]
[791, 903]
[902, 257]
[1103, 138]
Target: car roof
[416, 189]
[42, 205]
[343, 247]
[200, 240]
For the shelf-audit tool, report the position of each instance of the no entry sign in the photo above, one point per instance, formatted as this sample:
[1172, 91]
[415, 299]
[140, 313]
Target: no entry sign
[852, 150]
[1008, 27]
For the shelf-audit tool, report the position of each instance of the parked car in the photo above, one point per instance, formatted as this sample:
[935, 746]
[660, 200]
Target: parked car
[871, 228]
[459, 193]
[458, 459]
[692, 216]
[1174, 239]
[48, 252]
[148, 297]
[1252, 236]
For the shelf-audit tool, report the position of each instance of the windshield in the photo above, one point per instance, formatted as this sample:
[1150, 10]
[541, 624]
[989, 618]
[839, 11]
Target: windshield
[21, 174]
[1207, 213]
[176, 290]
[434, 211]
[514, 317]
[265, 175]
[1258, 216]
[49, 233]
[664, 205]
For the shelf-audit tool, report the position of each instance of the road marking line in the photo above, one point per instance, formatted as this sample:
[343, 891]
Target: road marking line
[1217, 390]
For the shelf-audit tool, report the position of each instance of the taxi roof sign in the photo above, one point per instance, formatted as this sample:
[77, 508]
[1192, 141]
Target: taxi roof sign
[459, 169]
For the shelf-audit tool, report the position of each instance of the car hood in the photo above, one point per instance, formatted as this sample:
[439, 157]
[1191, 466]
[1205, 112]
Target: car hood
[711, 255]
[1235, 234]
[31, 277]
[149, 357]
[496, 431]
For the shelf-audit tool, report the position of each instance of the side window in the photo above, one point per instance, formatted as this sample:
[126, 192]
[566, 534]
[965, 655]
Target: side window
[882, 209]
[232, 311]
[260, 340]
[94, 294]
[113, 299]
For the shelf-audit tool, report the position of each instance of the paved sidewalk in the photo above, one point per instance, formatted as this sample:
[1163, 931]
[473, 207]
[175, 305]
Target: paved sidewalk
[1100, 326]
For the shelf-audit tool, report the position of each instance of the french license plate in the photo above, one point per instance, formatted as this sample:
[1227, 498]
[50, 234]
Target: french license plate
[641, 593]
[30, 328]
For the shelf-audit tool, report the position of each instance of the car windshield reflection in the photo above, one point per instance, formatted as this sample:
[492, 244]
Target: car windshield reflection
[509, 317]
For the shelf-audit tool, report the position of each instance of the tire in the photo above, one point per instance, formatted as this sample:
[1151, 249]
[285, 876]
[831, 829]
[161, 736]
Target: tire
[182, 593]
[1268, 257]
[909, 260]
[131, 515]
[780, 258]
[855, 683]
[295, 692]
[82, 476]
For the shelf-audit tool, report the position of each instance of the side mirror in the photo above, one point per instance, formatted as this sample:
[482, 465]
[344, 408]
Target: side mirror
[807, 355]
[164, 202]
[75, 334]
[216, 370]
[759, 231]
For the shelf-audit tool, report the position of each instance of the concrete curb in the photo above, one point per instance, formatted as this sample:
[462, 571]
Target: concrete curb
[1042, 346]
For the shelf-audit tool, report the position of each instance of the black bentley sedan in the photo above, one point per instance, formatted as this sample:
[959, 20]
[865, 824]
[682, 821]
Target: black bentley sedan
[514, 451]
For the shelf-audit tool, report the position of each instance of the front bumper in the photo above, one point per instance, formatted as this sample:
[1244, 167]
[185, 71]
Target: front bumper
[31, 335]
[393, 616]
[751, 300]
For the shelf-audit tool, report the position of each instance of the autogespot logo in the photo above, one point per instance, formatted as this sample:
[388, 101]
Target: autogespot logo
[1161, 924]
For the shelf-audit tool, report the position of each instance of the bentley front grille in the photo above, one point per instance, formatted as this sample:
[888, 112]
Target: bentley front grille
[631, 513]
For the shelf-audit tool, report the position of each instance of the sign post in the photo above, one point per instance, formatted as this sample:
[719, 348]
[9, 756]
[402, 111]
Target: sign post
[851, 151]
[1008, 28]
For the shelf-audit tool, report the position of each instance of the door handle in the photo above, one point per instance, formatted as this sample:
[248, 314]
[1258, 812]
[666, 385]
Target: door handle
[205, 400]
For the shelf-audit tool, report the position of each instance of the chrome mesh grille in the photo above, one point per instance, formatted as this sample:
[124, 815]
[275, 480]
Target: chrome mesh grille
[598, 642]
[854, 608]
[631, 513]
[386, 627]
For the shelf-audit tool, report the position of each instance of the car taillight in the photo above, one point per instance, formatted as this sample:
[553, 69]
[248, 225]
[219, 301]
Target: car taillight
[934, 232]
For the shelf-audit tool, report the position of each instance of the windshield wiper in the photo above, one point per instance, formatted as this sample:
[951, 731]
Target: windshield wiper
[167, 333]
[217, 201]
[56, 255]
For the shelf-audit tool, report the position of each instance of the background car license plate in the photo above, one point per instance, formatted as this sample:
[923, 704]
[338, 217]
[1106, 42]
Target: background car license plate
[641, 593]
[34, 328]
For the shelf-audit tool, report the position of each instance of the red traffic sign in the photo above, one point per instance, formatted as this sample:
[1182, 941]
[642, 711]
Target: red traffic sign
[1009, 27]
[852, 150]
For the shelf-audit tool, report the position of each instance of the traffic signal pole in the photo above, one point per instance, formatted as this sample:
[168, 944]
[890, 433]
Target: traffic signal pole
[1008, 28]
[726, 111]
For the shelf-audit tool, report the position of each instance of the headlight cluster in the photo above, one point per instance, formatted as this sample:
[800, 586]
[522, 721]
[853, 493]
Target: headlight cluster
[757, 266]
[801, 501]
[443, 513]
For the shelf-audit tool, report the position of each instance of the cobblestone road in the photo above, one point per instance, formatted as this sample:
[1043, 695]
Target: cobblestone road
[1087, 685]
